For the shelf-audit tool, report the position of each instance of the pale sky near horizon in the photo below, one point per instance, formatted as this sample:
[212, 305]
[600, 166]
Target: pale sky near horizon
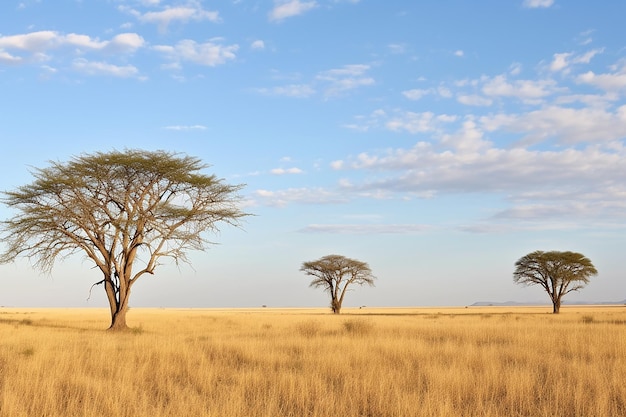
[437, 141]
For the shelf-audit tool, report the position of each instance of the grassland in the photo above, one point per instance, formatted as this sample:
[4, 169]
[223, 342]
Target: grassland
[273, 362]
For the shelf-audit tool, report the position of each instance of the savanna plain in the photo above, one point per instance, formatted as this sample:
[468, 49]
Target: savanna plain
[487, 361]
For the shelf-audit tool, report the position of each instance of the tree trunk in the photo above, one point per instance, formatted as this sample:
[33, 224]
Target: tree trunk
[556, 306]
[118, 304]
[118, 319]
[335, 305]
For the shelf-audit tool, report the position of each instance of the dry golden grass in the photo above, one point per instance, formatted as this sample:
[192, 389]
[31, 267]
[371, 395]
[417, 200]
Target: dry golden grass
[273, 362]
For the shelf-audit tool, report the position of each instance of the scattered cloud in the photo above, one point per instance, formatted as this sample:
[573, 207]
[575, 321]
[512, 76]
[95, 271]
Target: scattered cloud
[417, 122]
[608, 82]
[585, 37]
[334, 82]
[44, 41]
[209, 53]
[525, 90]
[515, 69]
[474, 100]
[533, 4]
[346, 78]
[397, 48]
[285, 171]
[510, 171]
[102, 68]
[563, 61]
[39, 47]
[292, 90]
[290, 8]
[185, 127]
[183, 14]
[568, 126]
[282, 198]
[8, 59]
[258, 44]
[416, 93]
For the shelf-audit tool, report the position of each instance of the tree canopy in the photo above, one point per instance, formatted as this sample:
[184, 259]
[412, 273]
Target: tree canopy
[558, 273]
[335, 273]
[125, 211]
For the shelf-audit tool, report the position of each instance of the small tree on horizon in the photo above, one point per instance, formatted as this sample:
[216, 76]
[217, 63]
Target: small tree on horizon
[558, 273]
[335, 273]
[125, 211]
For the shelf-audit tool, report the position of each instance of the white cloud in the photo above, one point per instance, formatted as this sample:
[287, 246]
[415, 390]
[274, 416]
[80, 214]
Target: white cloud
[337, 165]
[282, 198]
[585, 180]
[348, 77]
[36, 46]
[285, 9]
[7, 58]
[531, 4]
[397, 48]
[468, 139]
[209, 53]
[32, 42]
[258, 44]
[444, 92]
[43, 41]
[560, 61]
[566, 125]
[474, 100]
[102, 68]
[182, 14]
[285, 171]
[608, 82]
[417, 122]
[563, 61]
[510, 171]
[415, 94]
[125, 43]
[515, 68]
[459, 53]
[292, 90]
[525, 90]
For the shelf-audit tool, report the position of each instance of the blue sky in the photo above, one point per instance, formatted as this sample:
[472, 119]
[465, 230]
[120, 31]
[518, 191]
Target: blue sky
[437, 141]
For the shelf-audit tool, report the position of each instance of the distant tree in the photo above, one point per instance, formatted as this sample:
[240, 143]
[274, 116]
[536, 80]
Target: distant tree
[335, 273]
[124, 211]
[558, 273]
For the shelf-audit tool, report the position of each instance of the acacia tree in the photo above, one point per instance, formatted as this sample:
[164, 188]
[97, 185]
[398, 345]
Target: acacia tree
[334, 273]
[558, 273]
[125, 211]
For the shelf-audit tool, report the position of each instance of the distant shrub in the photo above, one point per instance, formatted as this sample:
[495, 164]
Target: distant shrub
[137, 330]
[358, 327]
[587, 319]
[28, 351]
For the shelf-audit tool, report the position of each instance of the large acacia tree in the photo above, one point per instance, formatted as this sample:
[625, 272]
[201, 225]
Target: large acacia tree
[125, 211]
[558, 273]
[335, 273]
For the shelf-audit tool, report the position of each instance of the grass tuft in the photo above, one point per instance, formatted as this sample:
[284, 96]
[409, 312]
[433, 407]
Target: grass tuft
[587, 319]
[358, 327]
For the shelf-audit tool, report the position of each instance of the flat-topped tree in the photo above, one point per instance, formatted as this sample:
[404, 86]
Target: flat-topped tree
[335, 273]
[558, 273]
[124, 211]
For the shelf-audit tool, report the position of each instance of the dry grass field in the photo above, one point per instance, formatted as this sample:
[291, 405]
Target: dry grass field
[290, 362]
